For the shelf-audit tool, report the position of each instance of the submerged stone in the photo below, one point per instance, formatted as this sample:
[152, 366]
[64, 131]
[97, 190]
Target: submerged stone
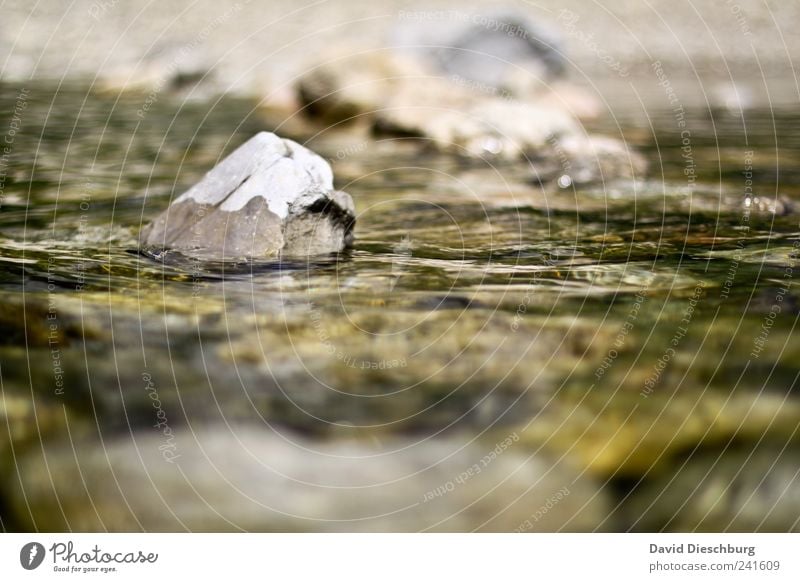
[271, 196]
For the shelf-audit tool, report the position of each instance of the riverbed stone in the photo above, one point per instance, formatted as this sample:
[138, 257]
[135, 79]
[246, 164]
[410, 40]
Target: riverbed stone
[626, 435]
[270, 196]
[492, 127]
[547, 138]
[398, 96]
[24, 418]
[352, 85]
[217, 478]
[734, 490]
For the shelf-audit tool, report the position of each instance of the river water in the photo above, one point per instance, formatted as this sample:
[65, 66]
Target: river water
[632, 330]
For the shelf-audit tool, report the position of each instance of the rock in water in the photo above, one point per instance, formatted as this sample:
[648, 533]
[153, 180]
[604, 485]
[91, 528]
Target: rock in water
[215, 479]
[271, 196]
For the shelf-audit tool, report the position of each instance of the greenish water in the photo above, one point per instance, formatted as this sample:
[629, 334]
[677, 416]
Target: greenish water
[623, 326]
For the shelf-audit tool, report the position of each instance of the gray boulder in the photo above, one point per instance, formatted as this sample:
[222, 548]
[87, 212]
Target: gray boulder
[271, 196]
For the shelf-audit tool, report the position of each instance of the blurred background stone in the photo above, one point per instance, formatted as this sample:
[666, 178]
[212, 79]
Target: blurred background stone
[247, 46]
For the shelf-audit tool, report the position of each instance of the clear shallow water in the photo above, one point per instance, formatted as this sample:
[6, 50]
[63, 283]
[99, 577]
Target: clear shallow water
[620, 326]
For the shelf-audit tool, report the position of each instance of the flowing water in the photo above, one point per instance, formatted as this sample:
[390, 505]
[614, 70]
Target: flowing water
[630, 328]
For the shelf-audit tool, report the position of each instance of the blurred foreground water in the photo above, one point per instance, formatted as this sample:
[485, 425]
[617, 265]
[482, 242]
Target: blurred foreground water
[489, 355]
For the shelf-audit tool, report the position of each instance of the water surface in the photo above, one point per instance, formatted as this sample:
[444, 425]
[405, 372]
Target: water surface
[619, 325]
